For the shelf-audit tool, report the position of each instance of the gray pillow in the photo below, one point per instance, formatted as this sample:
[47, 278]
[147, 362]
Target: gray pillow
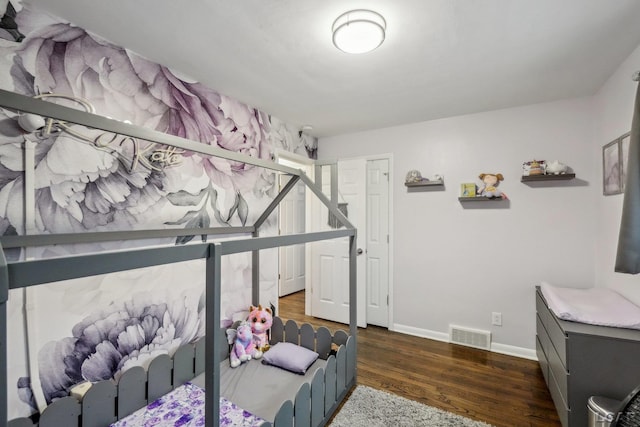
[289, 356]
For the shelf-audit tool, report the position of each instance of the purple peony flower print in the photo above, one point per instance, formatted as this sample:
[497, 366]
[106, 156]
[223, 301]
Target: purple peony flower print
[78, 190]
[108, 342]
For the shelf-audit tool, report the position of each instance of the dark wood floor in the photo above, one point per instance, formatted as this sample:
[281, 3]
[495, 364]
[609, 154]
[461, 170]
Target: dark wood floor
[501, 390]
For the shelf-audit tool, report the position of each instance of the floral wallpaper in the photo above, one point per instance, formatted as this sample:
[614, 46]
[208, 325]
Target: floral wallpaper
[87, 180]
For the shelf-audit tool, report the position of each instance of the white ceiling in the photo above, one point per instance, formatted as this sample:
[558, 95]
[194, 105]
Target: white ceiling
[441, 58]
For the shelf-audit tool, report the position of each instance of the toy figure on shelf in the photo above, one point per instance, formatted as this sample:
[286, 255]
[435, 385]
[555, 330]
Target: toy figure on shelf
[556, 168]
[489, 187]
[534, 167]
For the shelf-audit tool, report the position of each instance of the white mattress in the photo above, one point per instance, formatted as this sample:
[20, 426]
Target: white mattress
[594, 306]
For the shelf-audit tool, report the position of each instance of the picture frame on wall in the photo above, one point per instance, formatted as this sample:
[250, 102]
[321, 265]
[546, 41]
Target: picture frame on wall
[611, 161]
[624, 158]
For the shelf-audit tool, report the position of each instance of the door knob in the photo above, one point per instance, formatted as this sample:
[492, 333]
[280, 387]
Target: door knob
[359, 251]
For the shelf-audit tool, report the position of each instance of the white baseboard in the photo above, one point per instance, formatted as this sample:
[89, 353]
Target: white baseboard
[509, 350]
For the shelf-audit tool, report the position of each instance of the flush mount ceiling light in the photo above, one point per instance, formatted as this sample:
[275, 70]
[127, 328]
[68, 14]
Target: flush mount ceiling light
[358, 31]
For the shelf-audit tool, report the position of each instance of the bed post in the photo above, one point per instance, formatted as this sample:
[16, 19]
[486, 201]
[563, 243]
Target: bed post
[255, 275]
[353, 288]
[212, 337]
[4, 296]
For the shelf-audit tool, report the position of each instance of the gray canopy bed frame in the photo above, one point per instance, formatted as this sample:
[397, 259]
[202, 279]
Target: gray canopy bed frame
[108, 401]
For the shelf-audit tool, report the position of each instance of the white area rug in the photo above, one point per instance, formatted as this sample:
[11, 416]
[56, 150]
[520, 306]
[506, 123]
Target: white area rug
[374, 408]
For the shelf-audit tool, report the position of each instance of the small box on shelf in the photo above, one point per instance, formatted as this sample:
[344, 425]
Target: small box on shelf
[468, 189]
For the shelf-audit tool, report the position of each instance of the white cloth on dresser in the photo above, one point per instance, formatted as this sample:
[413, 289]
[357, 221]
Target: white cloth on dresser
[595, 306]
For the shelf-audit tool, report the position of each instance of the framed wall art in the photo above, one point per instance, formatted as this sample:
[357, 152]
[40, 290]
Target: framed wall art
[611, 161]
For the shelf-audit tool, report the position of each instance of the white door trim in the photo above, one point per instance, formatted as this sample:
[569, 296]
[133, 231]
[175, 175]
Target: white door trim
[389, 157]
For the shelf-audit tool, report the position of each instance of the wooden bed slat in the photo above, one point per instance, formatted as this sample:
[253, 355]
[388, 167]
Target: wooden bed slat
[317, 398]
[277, 331]
[291, 332]
[284, 417]
[183, 369]
[159, 375]
[132, 391]
[64, 412]
[329, 384]
[99, 404]
[225, 347]
[308, 337]
[302, 409]
[340, 337]
[351, 358]
[341, 370]
[20, 422]
[200, 357]
[323, 342]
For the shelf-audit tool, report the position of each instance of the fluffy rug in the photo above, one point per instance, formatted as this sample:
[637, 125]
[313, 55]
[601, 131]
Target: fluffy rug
[374, 408]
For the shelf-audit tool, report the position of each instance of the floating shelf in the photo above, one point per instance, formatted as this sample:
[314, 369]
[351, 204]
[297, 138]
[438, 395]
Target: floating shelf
[560, 177]
[425, 183]
[480, 199]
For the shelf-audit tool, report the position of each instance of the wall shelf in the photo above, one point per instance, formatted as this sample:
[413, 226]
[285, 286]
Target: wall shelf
[480, 199]
[425, 183]
[560, 177]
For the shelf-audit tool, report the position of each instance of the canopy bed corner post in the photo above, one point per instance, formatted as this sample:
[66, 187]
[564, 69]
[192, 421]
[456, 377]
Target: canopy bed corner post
[212, 335]
[4, 296]
[353, 288]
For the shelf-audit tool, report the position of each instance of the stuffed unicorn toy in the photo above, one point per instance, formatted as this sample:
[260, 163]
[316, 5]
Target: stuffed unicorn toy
[260, 320]
[244, 347]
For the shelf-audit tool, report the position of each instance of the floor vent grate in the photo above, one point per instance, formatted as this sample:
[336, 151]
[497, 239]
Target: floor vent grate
[470, 337]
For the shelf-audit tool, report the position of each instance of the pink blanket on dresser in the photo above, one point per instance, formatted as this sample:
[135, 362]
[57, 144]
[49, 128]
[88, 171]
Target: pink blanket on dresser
[595, 306]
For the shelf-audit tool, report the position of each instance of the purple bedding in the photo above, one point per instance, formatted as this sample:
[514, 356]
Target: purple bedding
[184, 406]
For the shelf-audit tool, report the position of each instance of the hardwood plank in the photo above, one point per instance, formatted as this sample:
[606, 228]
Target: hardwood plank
[501, 390]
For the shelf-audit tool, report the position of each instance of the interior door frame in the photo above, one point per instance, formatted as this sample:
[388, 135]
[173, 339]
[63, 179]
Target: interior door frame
[307, 165]
[389, 158]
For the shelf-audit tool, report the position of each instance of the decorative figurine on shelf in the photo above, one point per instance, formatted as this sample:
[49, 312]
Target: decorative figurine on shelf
[413, 176]
[554, 167]
[489, 187]
[534, 167]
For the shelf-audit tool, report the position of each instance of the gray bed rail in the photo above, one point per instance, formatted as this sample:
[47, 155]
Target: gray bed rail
[107, 401]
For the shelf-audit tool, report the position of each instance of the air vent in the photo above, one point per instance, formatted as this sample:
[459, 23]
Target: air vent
[470, 337]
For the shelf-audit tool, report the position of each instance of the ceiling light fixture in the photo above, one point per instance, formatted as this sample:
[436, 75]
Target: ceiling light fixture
[358, 31]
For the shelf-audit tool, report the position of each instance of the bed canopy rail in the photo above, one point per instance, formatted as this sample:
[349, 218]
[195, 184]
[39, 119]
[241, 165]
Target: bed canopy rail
[21, 274]
[29, 105]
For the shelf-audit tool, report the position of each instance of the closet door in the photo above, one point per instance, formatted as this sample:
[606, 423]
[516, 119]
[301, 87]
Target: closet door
[292, 221]
[330, 259]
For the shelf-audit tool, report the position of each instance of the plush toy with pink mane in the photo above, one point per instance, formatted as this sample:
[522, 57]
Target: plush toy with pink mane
[260, 320]
[244, 347]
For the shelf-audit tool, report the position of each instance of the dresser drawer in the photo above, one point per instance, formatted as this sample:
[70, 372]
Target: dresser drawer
[559, 401]
[553, 359]
[542, 360]
[556, 335]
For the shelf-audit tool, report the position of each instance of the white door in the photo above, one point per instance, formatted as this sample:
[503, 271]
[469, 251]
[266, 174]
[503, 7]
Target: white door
[292, 221]
[330, 258]
[378, 242]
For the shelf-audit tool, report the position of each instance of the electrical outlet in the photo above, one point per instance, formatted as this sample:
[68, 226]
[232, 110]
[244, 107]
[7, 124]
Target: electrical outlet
[496, 318]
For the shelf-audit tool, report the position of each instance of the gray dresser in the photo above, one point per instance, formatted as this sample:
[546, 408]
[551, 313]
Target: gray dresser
[580, 360]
